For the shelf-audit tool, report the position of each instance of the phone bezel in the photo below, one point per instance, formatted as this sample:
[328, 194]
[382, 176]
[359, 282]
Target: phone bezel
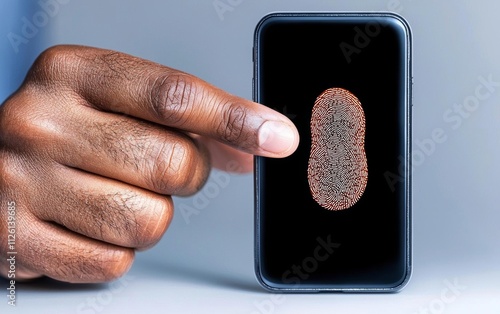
[408, 134]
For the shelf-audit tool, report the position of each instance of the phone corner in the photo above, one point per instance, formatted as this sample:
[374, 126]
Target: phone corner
[262, 281]
[263, 21]
[401, 22]
[404, 282]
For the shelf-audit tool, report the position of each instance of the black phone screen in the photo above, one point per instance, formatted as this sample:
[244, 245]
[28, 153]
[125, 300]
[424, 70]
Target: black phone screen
[299, 243]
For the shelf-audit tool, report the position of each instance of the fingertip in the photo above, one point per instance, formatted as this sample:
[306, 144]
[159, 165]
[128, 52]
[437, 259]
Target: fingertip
[278, 138]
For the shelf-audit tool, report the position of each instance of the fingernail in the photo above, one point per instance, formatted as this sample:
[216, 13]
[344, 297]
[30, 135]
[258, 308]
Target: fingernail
[276, 137]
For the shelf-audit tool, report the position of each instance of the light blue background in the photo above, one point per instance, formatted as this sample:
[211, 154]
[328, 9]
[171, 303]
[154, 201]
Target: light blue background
[15, 59]
[206, 265]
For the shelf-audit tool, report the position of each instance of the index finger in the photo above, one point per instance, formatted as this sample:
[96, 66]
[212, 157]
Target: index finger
[117, 82]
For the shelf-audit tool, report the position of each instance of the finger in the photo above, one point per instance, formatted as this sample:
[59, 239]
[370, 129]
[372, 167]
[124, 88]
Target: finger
[9, 235]
[103, 209]
[142, 154]
[70, 257]
[117, 82]
[123, 148]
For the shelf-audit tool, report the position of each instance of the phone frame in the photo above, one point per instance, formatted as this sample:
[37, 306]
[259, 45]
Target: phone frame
[407, 154]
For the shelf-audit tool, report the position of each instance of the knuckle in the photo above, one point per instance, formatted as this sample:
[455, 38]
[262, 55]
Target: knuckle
[233, 123]
[24, 125]
[51, 64]
[171, 166]
[155, 223]
[119, 263]
[170, 97]
[8, 175]
[114, 264]
[12, 124]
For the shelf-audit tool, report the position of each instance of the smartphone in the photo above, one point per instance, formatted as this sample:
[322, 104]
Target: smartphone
[336, 214]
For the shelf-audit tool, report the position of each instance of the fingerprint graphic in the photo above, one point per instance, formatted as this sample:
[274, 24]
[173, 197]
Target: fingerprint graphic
[337, 171]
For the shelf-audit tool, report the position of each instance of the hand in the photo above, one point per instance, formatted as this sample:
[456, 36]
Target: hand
[93, 145]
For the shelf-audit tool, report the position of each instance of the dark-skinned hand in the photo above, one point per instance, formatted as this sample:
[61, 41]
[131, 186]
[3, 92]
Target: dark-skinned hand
[94, 144]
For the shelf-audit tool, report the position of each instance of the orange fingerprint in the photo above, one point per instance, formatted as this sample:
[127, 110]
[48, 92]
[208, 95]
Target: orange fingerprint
[337, 171]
